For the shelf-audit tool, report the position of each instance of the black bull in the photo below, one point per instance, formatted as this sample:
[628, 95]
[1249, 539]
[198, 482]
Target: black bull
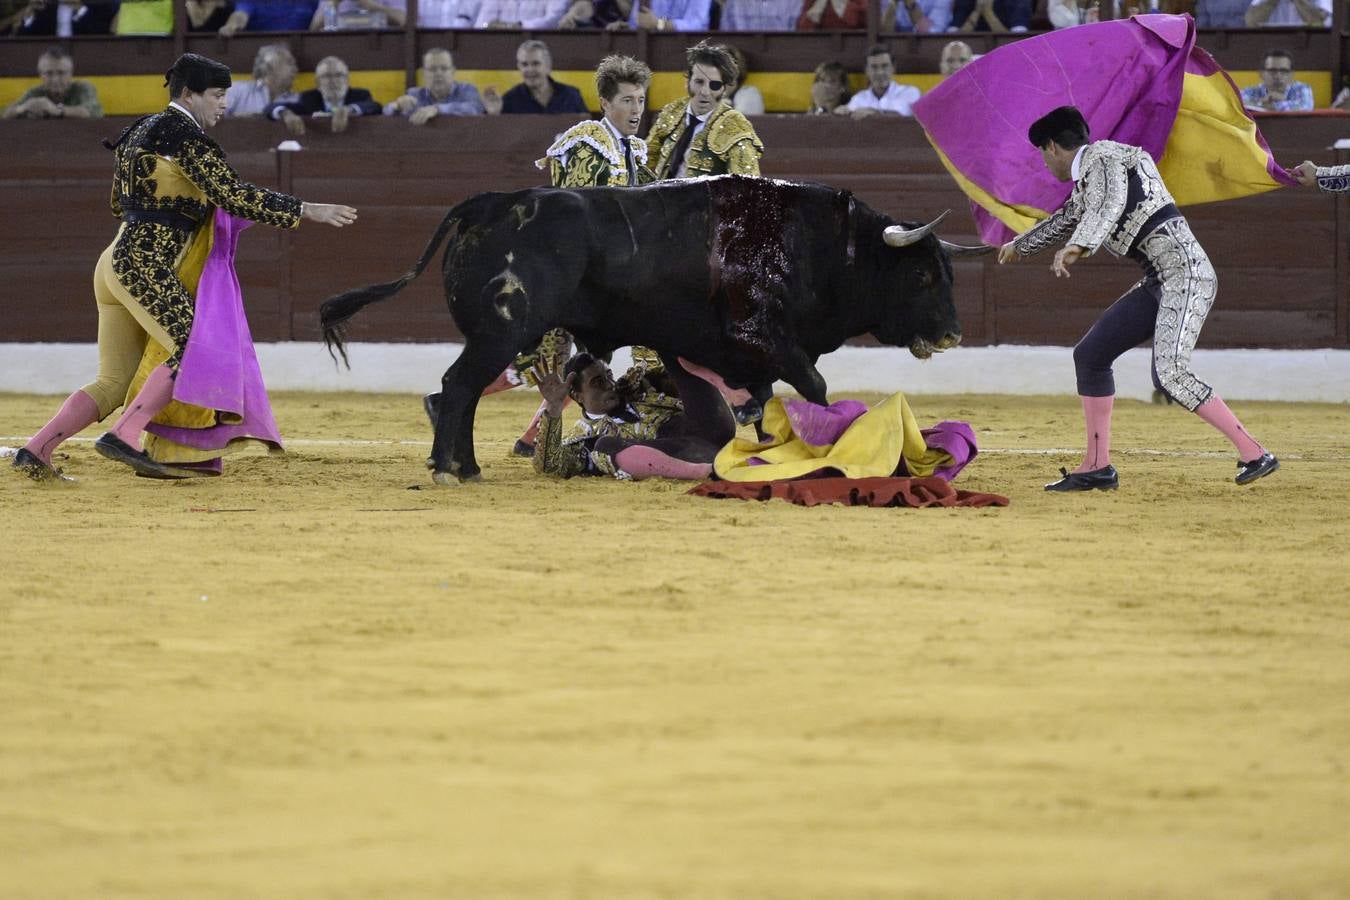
[753, 278]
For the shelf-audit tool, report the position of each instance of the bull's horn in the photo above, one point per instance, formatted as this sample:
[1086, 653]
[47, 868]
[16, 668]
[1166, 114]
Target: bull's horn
[900, 236]
[955, 250]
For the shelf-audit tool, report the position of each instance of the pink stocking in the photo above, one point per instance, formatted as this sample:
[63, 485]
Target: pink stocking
[1097, 418]
[648, 462]
[77, 413]
[1216, 412]
[734, 396]
[153, 397]
[504, 382]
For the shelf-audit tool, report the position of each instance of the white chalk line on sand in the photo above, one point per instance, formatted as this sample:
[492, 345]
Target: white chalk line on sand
[1006, 451]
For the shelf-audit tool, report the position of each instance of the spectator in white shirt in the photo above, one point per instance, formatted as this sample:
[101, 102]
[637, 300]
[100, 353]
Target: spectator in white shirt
[1289, 13]
[447, 13]
[883, 94]
[273, 75]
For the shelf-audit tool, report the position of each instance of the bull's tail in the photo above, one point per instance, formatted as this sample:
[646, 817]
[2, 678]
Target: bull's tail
[336, 310]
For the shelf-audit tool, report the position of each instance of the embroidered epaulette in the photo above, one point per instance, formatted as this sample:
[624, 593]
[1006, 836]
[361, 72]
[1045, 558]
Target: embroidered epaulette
[727, 128]
[667, 120]
[595, 136]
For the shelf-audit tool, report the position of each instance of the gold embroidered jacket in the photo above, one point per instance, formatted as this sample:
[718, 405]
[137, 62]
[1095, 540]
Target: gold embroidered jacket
[1101, 211]
[646, 408]
[727, 145]
[1333, 178]
[586, 155]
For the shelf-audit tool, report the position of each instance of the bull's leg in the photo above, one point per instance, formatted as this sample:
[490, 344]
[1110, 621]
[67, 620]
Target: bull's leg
[799, 370]
[452, 449]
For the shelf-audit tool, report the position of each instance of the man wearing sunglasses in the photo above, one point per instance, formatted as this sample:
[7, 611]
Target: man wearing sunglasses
[702, 134]
[1278, 91]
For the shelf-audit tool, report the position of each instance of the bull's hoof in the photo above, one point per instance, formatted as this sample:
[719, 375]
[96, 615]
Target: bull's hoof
[450, 479]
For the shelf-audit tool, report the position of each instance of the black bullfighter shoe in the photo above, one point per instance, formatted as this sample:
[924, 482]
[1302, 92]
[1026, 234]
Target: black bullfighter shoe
[1103, 479]
[26, 463]
[118, 450]
[1260, 467]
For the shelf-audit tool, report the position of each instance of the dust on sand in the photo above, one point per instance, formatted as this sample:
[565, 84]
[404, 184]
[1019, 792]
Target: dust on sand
[305, 679]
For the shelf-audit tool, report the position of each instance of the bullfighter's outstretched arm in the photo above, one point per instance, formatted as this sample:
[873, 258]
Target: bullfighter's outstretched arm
[1048, 232]
[1333, 178]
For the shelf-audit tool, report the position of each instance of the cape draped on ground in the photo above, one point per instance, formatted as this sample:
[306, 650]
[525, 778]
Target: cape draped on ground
[1139, 81]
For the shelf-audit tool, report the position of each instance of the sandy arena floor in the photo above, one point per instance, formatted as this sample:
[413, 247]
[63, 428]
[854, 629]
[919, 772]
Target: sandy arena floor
[307, 680]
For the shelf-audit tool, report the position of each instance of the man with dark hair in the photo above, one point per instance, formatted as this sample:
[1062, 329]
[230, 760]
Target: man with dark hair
[1278, 91]
[169, 179]
[883, 93]
[653, 422]
[1119, 202]
[701, 134]
[59, 96]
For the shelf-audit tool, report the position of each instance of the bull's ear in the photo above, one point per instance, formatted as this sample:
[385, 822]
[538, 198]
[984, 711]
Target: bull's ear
[900, 236]
[955, 250]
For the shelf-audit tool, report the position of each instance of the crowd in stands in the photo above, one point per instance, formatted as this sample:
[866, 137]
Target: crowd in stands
[63, 18]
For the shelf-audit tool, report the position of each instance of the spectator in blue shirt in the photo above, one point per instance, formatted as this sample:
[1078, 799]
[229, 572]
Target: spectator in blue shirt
[667, 15]
[270, 15]
[538, 93]
[1221, 13]
[442, 95]
[991, 15]
[1278, 91]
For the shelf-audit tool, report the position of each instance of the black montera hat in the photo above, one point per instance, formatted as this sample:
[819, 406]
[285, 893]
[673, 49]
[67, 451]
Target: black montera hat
[1065, 126]
[197, 73]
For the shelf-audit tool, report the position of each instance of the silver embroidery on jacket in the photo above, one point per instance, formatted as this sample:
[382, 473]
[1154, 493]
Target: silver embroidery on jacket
[1333, 178]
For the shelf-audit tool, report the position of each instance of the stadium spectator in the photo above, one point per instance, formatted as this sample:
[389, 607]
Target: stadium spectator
[1278, 91]
[530, 15]
[270, 15]
[64, 18]
[537, 92]
[829, 91]
[745, 98]
[883, 93]
[759, 15]
[956, 55]
[1068, 13]
[447, 13]
[1221, 13]
[992, 15]
[442, 95]
[595, 14]
[143, 17]
[832, 15]
[1289, 13]
[334, 99]
[666, 15]
[59, 96]
[342, 15]
[918, 16]
[274, 71]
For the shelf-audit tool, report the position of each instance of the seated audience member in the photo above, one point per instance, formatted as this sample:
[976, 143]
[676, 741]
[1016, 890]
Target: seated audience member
[956, 55]
[666, 15]
[1278, 91]
[334, 99]
[992, 15]
[274, 71]
[1221, 13]
[537, 92]
[1068, 13]
[746, 99]
[143, 17]
[441, 95]
[759, 15]
[64, 18]
[595, 14]
[270, 15]
[832, 15]
[344, 15]
[918, 16]
[1289, 13]
[59, 96]
[883, 93]
[447, 13]
[829, 90]
[208, 15]
[651, 423]
[1342, 100]
[532, 15]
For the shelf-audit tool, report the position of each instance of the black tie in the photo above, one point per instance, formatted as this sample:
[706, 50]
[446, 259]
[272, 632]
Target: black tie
[628, 160]
[681, 147]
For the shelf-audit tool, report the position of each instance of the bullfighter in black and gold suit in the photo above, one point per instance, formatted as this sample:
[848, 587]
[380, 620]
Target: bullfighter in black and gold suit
[701, 134]
[169, 179]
